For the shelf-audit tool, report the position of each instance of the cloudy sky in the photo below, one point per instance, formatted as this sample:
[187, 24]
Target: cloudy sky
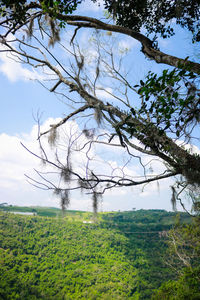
[22, 97]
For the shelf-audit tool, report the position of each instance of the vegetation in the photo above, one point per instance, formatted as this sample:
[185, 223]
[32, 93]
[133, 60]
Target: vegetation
[39, 211]
[187, 287]
[120, 257]
[155, 16]
[48, 259]
[184, 246]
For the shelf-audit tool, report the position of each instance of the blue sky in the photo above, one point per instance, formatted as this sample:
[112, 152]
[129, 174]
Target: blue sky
[22, 98]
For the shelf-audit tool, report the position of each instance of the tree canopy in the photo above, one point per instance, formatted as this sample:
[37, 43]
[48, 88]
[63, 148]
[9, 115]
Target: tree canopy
[158, 123]
[155, 16]
[67, 258]
[152, 15]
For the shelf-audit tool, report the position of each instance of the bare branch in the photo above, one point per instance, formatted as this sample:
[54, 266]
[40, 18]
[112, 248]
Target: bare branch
[64, 120]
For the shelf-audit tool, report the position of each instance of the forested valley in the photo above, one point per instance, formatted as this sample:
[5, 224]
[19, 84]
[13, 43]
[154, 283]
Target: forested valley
[71, 255]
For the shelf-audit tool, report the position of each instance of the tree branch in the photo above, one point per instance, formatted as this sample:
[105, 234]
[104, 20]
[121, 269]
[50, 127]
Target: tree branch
[64, 120]
[147, 44]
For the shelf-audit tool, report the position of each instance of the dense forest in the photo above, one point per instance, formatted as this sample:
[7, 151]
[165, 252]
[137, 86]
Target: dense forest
[119, 255]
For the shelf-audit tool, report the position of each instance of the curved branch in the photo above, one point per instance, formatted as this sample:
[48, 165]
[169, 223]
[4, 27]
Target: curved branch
[147, 44]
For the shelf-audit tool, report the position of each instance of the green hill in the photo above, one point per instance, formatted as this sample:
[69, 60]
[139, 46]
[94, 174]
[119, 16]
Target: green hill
[121, 256]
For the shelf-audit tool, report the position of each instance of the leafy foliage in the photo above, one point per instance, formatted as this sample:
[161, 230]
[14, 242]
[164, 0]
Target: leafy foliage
[184, 254]
[53, 258]
[19, 12]
[44, 258]
[171, 100]
[187, 287]
[155, 15]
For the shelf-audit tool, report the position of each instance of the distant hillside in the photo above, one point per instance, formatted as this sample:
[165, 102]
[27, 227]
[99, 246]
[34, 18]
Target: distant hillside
[39, 210]
[144, 216]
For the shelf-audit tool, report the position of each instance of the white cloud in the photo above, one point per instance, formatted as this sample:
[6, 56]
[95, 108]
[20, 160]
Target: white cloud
[15, 71]
[13, 68]
[15, 161]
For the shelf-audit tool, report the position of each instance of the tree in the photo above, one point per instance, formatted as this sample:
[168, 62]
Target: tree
[164, 114]
[184, 258]
[155, 16]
